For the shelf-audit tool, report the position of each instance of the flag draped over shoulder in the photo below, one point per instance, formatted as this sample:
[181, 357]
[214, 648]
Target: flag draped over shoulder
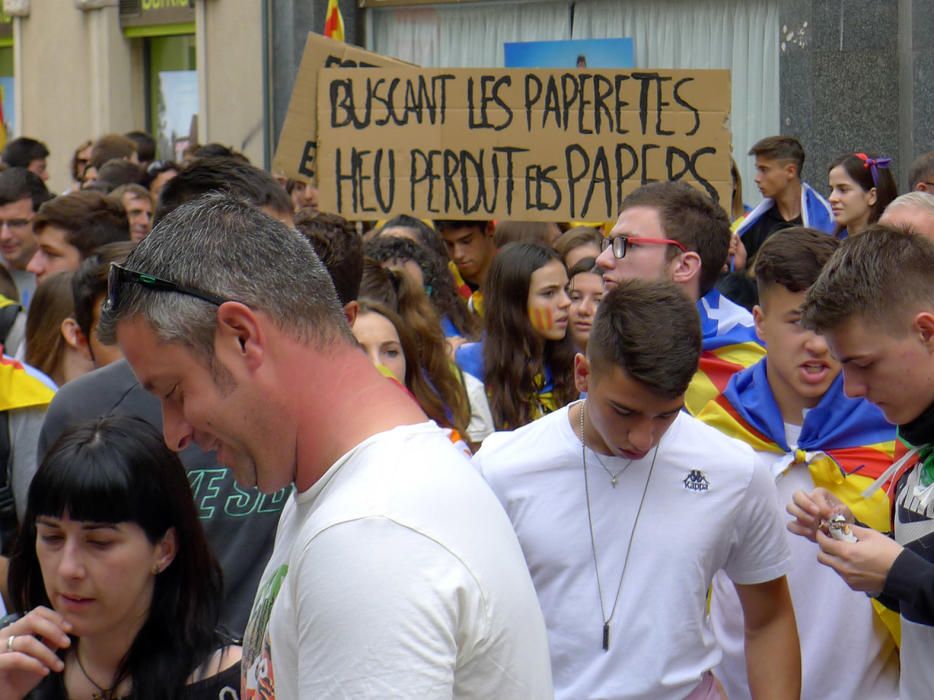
[334, 22]
[845, 443]
[815, 212]
[21, 387]
[730, 344]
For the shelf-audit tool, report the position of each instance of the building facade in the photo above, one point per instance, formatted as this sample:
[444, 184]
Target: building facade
[840, 75]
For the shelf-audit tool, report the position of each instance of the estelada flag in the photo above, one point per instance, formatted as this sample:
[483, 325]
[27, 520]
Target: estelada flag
[333, 22]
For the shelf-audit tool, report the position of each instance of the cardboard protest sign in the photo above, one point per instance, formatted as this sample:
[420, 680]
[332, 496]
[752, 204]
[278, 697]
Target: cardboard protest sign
[295, 154]
[532, 145]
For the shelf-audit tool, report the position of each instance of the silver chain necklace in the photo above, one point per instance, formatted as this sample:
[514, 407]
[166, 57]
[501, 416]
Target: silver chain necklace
[614, 478]
[593, 541]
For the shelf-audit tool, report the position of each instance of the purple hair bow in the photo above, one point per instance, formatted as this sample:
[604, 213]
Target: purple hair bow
[873, 164]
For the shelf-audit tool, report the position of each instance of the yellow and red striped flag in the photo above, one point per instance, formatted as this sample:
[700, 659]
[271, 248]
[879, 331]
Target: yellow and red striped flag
[333, 22]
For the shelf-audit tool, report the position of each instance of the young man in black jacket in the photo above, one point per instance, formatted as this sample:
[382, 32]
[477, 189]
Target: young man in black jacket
[874, 301]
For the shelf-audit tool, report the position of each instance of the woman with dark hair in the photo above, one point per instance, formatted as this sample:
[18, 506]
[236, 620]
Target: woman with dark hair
[526, 357]
[585, 289]
[404, 226]
[394, 243]
[577, 243]
[158, 173]
[431, 376]
[861, 187]
[120, 592]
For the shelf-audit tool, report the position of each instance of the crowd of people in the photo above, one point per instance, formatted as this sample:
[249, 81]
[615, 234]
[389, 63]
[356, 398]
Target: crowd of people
[251, 449]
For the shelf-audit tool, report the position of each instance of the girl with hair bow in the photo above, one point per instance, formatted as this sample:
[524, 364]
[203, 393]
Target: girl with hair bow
[861, 187]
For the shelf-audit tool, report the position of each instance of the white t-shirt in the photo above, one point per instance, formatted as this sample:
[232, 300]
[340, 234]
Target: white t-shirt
[707, 507]
[481, 418]
[846, 651]
[396, 575]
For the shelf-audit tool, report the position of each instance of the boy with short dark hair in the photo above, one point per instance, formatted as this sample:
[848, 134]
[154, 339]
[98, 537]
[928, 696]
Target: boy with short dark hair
[71, 226]
[471, 249]
[626, 506]
[791, 408]
[874, 302]
[787, 202]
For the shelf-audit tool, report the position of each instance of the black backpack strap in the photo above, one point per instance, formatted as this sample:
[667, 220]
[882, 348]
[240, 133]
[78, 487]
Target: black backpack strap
[8, 522]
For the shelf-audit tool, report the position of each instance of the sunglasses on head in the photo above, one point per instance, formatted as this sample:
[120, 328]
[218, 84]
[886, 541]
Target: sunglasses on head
[119, 277]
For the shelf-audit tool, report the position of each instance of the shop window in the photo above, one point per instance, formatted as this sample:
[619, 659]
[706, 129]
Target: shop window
[7, 83]
[172, 93]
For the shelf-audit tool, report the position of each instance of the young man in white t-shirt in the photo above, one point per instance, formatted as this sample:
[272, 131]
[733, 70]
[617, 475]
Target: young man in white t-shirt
[626, 507]
[395, 572]
[791, 409]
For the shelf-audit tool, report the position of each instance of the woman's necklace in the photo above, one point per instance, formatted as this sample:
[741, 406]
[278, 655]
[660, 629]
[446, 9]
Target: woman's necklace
[593, 541]
[105, 693]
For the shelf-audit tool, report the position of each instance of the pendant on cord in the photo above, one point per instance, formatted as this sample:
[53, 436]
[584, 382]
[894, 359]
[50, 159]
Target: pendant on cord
[606, 636]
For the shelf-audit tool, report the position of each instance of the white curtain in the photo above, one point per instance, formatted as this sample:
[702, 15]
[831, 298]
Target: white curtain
[741, 35]
[464, 36]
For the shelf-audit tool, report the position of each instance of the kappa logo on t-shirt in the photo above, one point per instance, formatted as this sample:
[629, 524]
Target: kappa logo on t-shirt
[696, 481]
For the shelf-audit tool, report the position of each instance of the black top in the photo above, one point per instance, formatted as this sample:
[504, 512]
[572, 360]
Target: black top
[239, 523]
[909, 586]
[739, 287]
[769, 222]
[224, 686]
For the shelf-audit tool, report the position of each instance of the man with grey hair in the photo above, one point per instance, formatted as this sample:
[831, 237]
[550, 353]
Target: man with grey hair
[395, 571]
[913, 212]
[240, 524]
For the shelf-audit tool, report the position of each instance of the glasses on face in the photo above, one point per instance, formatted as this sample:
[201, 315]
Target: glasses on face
[14, 223]
[119, 276]
[621, 243]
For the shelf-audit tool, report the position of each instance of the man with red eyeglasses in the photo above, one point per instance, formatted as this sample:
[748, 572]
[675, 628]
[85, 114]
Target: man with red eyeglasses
[670, 231]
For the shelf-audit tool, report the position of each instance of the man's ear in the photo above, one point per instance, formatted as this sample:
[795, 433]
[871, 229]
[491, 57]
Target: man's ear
[581, 373]
[351, 309]
[924, 326]
[75, 338]
[239, 335]
[686, 267]
[758, 317]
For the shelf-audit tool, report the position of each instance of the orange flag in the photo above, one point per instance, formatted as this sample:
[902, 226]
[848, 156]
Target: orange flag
[333, 22]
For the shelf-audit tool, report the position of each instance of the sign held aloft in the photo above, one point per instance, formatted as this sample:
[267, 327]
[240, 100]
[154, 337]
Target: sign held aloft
[515, 144]
[295, 154]
[521, 144]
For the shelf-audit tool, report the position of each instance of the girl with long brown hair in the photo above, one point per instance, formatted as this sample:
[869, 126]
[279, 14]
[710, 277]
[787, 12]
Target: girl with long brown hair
[526, 357]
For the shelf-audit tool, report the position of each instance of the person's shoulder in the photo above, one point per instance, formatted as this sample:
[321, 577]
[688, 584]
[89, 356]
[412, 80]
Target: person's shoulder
[422, 452]
[703, 439]
[105, 385]
[216, 678]
[469, 357]
[532, 445]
